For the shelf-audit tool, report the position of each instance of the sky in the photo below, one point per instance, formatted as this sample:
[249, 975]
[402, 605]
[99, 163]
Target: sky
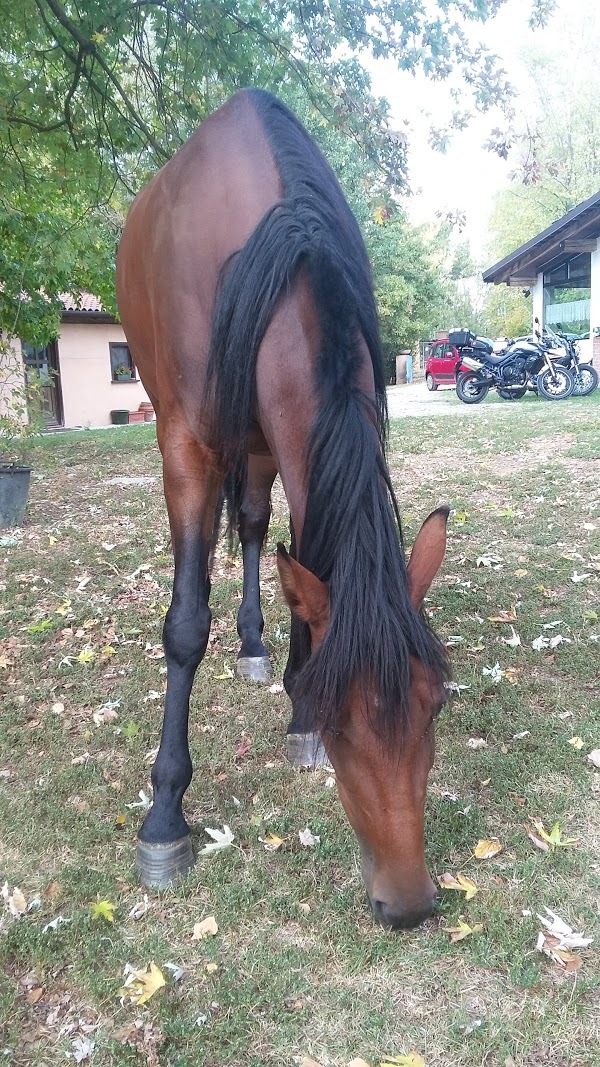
[466, 177]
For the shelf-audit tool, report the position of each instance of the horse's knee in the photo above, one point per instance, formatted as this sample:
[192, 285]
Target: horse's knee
[254, 521]
[185, 635]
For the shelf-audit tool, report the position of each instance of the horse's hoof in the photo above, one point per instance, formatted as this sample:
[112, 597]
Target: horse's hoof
[254, 668]
[306, 750]
[160, 864]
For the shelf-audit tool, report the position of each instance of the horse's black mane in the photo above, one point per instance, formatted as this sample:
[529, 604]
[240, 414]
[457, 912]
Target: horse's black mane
[351, 537]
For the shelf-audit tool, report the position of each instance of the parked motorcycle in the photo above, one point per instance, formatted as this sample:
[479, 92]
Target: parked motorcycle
[524, 362]
[585, 376]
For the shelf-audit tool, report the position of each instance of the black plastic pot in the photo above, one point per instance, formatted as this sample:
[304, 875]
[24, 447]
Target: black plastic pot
[14, 490]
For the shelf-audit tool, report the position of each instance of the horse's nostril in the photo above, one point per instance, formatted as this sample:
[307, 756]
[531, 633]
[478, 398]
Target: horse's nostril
[402, 918]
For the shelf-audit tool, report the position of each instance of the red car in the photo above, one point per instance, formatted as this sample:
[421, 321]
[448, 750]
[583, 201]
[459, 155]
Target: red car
[442, 365]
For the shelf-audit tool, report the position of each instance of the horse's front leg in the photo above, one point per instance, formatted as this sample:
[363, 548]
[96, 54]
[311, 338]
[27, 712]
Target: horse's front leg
[164, 848]
[253, 660]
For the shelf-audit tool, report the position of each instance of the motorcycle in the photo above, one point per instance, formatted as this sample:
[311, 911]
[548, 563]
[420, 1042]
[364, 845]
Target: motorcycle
[524, 363]
[585, 376]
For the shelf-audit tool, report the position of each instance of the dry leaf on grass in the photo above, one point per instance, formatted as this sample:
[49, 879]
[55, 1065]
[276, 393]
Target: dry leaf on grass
[486, 848]
[412, 1059]
[306, 1061]
[558, 940]
[594, 757]
[15, 901]
[577, 743]
[476, 742]
[142, 984]
[458, 933]
[206, 928]
[271, 842]
[460, 882]
[307, 838]
[221, 839]
[358, 1063]
[545, 841]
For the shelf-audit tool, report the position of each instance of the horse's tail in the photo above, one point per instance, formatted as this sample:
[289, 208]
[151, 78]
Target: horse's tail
[294, 233]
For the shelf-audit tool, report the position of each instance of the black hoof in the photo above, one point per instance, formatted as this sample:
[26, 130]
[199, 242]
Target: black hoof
[306, 750]
[158, 865]
[254, 668]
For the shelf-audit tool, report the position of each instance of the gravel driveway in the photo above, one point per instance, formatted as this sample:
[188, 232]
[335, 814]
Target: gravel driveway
[416, 400]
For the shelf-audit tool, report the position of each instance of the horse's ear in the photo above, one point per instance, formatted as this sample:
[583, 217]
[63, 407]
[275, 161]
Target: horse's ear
[427, 555]
[307, 595]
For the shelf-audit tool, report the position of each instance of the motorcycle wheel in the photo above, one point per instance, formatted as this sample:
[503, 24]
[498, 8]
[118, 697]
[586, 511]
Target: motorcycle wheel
[512, 394]
[585, 378]
[555, 384]
[430, 383]
[470, 389]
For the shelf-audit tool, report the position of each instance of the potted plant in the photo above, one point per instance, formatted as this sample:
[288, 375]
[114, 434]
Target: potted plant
[122, 373]
[21, 422]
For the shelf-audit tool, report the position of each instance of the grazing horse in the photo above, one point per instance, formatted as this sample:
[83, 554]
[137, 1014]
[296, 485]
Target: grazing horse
[245, 293]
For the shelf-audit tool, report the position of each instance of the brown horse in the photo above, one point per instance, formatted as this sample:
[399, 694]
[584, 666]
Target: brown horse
[246, 297]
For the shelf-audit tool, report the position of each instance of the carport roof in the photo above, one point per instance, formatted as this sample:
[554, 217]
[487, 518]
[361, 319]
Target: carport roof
[576, 232]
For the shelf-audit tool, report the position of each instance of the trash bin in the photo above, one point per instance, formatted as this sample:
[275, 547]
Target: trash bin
[120, 417]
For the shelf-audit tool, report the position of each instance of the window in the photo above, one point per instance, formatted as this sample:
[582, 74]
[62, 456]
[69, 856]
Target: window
[567, 291]
[121, 363]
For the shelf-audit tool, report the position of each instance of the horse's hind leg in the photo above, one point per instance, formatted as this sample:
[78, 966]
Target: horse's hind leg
[253, 660]
[192, 484]
[304, 746]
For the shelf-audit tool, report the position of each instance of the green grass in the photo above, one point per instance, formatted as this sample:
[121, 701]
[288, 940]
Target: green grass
[301, 967]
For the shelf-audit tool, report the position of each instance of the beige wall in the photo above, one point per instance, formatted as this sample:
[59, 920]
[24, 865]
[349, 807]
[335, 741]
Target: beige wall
[88, 393]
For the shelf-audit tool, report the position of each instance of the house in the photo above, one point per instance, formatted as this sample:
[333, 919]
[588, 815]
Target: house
[561, 269]
[80, 368]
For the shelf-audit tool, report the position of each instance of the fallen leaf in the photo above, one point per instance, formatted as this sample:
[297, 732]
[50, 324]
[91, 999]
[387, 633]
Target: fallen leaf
[412, 1059]
[221, 839]
[211, 968]
[227, 672]
[513, 640]
[577, 743]
[504, 616]
[358, 1063]
[271, 842]
[34, 995]
[139, 910]
[140, 985]
[575, 577]
[458, 933]
[548, 841]
[520, 572]
[82, 1048]
[461, 883]
[307, 838]
[103, 910]
[486, 848]
[476, 742]
[206, 928]
[594, 757]
[15, 901]
[306, 1061]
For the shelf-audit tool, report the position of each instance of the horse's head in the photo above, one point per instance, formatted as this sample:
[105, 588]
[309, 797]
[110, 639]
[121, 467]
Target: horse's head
[382, 787]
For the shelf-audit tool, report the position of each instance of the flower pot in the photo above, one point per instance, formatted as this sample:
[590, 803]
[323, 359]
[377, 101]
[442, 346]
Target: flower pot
[122, 377]
[120, 417]
[14, 490]
[135, 416]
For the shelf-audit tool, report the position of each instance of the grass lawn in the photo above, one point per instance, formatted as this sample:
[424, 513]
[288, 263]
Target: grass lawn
[298, 968]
